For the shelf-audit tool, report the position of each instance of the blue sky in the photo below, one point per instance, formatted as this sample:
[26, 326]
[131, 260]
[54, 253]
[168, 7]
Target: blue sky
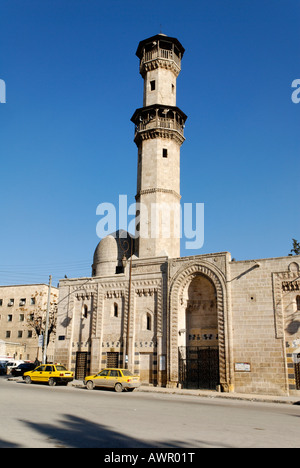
[66, 140]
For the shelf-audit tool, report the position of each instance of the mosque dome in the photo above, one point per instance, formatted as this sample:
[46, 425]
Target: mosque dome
[106, 251]
[110, 252]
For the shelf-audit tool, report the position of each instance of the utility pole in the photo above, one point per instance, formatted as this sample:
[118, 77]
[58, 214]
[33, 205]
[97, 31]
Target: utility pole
[47, 322]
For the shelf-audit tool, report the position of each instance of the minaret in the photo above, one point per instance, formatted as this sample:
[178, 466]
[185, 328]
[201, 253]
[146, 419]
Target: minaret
[159, 128]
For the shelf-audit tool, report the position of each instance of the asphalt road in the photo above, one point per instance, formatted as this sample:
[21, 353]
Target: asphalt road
[37, 416]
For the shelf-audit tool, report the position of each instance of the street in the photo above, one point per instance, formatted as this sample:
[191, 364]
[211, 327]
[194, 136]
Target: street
[37, 416]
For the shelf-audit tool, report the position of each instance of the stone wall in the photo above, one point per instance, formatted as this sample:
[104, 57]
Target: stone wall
[259, 331]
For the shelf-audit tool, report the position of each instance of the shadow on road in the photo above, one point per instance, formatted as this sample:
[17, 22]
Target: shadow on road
[4, 444]
[74, 432]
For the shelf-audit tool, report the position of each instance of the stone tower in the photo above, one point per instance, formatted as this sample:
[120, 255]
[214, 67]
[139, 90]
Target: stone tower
[159, 134]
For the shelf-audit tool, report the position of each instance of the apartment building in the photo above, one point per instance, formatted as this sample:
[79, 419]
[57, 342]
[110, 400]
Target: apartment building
[22, 313]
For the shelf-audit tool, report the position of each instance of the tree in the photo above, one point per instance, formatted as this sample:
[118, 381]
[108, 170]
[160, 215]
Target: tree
[37, 319]
[296, 248]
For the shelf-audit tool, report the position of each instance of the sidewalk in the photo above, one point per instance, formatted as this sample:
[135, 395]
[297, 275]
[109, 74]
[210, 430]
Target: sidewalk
[290, 400]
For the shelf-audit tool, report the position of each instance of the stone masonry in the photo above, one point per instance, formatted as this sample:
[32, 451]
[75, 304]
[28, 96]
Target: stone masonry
[203, 321]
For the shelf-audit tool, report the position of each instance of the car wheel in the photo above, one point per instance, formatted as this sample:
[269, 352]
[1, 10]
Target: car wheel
[118, 388]
[52, 382]
[28, 380]
[90, 385]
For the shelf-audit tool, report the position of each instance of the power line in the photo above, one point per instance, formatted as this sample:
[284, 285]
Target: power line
[39, 273]
[47, 265]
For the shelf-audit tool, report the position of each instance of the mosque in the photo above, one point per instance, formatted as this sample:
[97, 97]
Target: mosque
[203, 321]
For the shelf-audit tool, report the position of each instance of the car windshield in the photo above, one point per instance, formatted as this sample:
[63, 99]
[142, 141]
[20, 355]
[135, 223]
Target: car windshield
[60, 368]
[127, 373]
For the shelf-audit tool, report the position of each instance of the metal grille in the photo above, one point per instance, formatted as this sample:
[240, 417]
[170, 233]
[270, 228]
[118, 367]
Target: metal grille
[297, 375]
[199, 367]
[112, 360]
[82, 365]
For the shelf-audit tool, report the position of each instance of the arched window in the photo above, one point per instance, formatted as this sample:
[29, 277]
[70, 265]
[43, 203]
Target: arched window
[149, 324]
[85, 311]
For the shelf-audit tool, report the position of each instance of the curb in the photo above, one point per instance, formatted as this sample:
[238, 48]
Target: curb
[287, 400]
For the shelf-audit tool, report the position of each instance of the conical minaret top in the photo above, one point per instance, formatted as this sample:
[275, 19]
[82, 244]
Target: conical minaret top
[159, 134]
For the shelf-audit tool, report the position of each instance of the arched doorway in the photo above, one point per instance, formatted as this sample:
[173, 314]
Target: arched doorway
[198, 301]
[199, 357]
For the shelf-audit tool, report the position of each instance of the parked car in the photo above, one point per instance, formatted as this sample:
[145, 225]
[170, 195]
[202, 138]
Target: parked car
[3, 368]
[12, 365]
[119, 379]
[22, 368]
[49, 373]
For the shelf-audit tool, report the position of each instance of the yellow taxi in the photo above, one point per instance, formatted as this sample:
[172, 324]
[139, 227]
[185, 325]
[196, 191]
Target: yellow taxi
[119, 379]
[49, 373]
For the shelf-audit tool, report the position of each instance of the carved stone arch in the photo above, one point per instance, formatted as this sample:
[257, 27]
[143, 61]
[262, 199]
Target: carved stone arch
[178, 284]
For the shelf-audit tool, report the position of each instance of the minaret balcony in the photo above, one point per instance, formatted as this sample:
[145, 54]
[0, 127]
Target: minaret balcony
[155, 121]
[160, 51]
[159, 56]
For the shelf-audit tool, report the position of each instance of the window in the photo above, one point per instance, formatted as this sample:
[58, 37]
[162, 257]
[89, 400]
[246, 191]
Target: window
[1, 302]
[22, 302]
[148, 322]
[298, 302]
[32, 301]
[21, 318]
[115, 373]
[116, 310]
[165, 153]
[29, 334]
[8, 333]
[60, 368]
[9, 318]
[152, 85]
[11, 302]
[20, 334]
[85, 311]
